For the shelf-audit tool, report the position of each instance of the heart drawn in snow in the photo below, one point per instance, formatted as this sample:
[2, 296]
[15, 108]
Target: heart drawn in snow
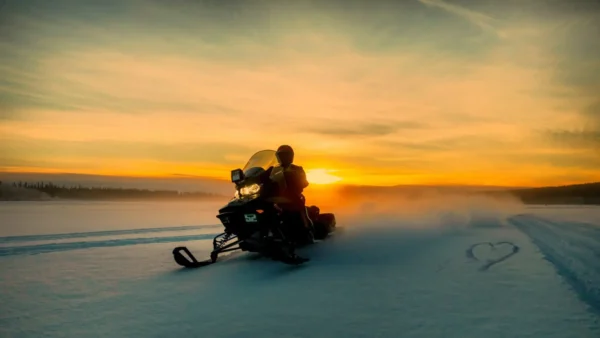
[491, 253]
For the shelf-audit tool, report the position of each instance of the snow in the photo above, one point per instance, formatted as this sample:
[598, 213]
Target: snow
[427, 269]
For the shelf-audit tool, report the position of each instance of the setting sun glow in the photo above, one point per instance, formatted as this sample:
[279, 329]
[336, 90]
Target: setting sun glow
[321, 176]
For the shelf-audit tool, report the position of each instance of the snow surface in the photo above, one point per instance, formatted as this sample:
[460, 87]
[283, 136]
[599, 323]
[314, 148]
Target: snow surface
[468, 268]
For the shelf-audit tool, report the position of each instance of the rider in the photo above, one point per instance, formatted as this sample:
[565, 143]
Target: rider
[294, 174]
[292, 179]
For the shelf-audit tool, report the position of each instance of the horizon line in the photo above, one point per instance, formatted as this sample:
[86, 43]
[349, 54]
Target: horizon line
[176, 176]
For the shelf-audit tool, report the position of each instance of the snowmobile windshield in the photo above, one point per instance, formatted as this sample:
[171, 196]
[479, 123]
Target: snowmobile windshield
[260, 162]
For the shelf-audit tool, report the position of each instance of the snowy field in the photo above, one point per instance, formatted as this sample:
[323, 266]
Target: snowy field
[455, 269]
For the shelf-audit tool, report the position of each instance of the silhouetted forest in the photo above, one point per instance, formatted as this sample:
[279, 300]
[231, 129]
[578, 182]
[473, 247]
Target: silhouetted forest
[588, 193]
[103, 193]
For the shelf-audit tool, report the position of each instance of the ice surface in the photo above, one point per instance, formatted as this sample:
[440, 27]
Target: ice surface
[441, 270]
[51, 217]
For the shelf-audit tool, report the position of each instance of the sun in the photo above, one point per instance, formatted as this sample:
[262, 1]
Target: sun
[321, 176]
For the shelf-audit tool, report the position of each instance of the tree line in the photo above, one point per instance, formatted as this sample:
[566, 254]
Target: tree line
[587, 193]
[81, 192]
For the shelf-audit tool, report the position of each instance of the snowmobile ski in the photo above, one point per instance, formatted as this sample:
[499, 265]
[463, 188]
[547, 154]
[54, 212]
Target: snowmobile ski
[190, 262]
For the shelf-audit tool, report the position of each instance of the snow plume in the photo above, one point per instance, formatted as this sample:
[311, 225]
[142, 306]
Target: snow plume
[416, 209]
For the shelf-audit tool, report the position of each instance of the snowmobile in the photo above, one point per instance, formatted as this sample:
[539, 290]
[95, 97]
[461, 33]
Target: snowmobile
[254, 222]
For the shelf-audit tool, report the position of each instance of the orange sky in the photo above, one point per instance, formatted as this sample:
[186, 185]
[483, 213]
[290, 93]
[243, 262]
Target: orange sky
[379, 92]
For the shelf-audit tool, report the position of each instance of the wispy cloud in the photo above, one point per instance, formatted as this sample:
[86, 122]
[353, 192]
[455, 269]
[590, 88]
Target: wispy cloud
[589, 139]
[482, 20]
[366, 128]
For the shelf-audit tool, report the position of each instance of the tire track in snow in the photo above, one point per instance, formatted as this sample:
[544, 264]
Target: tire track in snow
[36, 238]
[573, 250]
[55, 247]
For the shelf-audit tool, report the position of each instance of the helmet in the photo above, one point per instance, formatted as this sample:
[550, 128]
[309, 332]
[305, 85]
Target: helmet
[285, 155]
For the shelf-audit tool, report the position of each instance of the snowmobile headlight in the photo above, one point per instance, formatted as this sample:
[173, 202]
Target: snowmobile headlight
[250, 190]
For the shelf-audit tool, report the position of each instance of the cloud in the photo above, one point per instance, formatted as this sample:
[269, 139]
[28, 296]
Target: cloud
[482, 20]
[344, 128]
[591, 115]
[575, 47]
[587, 139]
[459, 145]
[191, 152]
[561, 161]
[212, 159]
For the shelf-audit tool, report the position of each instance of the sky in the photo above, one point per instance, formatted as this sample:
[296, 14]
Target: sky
[374, 92]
